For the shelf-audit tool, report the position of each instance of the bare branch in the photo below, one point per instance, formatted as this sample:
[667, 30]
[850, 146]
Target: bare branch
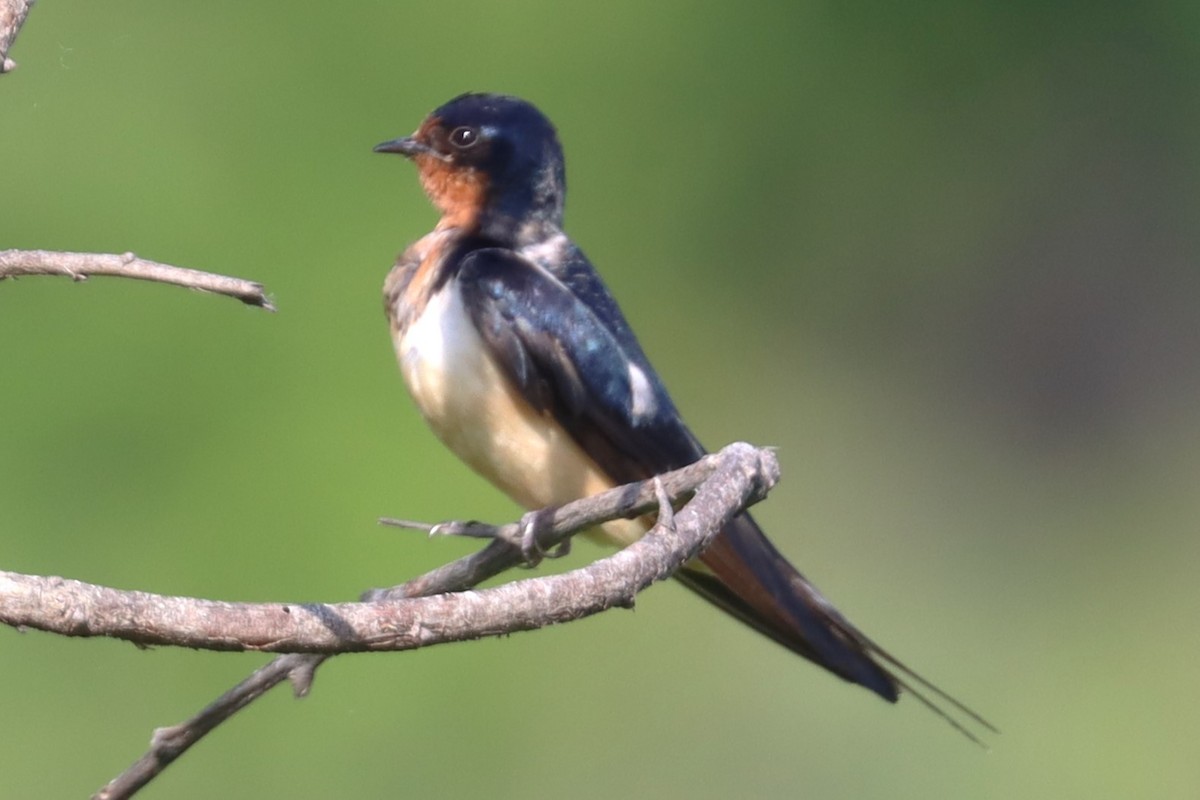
[723, 484]
[390, 620]
[12, 17]
[81, 266]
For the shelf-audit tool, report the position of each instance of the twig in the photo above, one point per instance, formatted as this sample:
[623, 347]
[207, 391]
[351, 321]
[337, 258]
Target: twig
[81, 266]
[723, 484]
[12, 17]
[625, 501]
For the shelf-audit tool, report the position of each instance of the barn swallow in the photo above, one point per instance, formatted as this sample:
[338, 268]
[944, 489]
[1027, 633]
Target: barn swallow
[523, 365]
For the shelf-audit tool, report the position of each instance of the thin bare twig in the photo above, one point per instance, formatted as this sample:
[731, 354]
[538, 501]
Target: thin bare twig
[12, 17]
[81, 266]
[723, 484]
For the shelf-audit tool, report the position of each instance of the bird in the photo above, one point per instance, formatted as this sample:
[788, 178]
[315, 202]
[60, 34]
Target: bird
[522, 363]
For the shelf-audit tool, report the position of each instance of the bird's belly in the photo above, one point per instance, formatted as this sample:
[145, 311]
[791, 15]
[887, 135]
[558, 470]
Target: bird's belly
[477, 412]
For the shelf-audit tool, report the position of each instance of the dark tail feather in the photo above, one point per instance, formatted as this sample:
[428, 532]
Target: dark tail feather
[746, 576]
[936, 699]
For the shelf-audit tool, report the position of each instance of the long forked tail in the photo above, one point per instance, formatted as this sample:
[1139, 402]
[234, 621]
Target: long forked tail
[745, 575]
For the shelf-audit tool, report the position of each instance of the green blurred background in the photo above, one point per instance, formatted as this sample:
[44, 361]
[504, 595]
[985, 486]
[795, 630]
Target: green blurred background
[944, 257]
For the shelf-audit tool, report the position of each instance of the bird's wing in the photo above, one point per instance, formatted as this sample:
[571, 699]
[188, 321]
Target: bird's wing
[566, 361]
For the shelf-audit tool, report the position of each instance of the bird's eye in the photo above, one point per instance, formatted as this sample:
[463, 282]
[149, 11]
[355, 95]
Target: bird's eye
[464, 137]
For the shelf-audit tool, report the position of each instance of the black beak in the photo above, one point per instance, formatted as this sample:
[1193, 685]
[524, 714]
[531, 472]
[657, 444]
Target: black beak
[406, 146]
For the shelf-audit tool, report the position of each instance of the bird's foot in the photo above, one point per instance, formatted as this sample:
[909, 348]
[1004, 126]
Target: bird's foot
[531, 527]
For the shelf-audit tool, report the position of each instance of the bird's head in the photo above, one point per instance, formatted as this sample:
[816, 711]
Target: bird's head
[491, 164]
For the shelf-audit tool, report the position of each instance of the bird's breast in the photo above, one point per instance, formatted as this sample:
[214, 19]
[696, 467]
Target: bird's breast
[483, 418]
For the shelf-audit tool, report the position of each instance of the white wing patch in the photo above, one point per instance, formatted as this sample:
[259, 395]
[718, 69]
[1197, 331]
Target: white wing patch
[641, 393]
